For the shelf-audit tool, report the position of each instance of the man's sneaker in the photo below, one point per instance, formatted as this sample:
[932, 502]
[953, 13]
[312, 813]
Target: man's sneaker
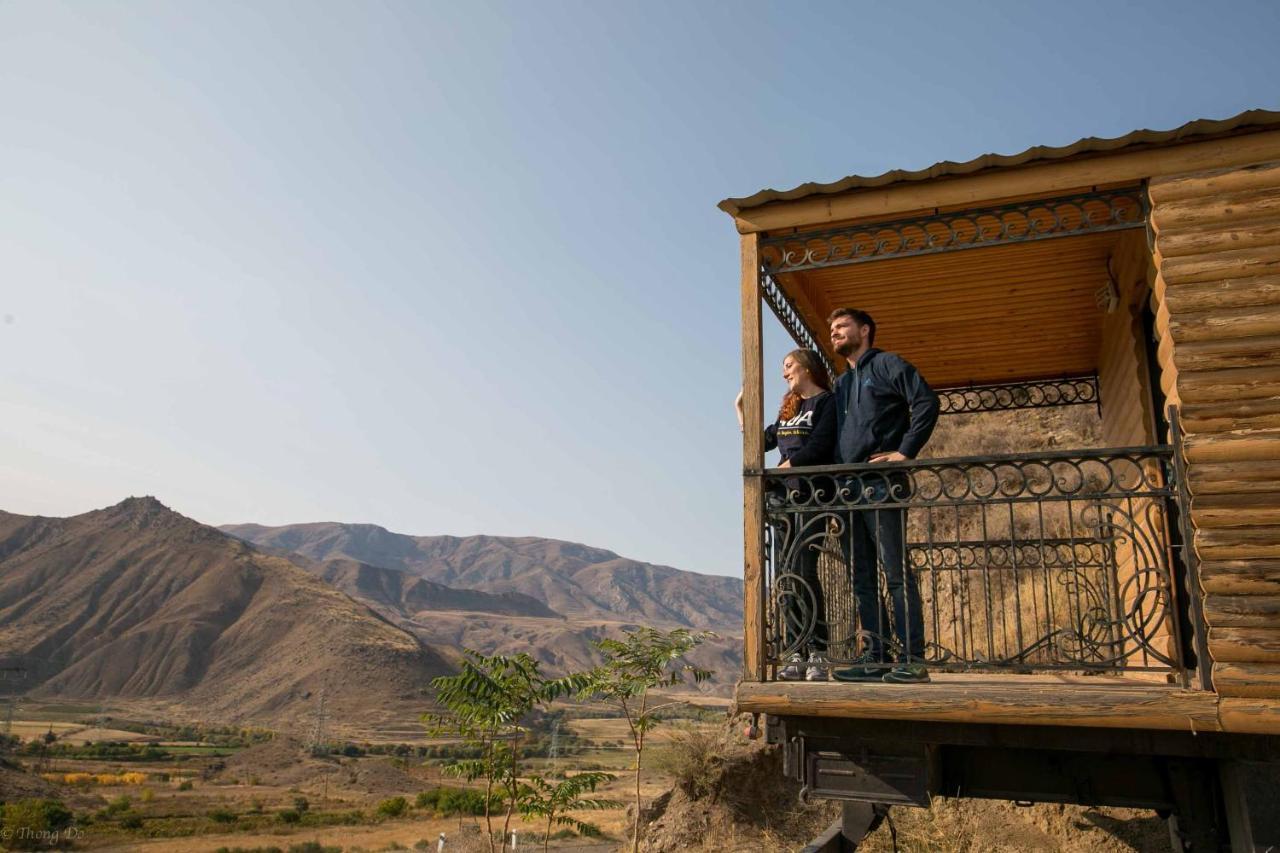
[864, 668]
[907, 673]
[818, 667]
[794, 670]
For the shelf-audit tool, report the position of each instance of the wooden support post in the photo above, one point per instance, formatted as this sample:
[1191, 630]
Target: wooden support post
[1253, 814]
[752, 463]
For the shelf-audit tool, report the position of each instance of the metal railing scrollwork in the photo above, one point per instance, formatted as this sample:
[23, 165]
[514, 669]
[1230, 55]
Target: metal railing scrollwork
[1083, 213]
[1019, 562]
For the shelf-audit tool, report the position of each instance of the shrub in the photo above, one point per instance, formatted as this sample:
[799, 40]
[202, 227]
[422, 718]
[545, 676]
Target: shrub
[147, 795]
[301, 805]
[446, 801]
[118, 805]
[222, 815]
[131, 820]
[695, 758]
[393, 807]
[30, 822]
[289, 815]
[313, 847]
[185, 785]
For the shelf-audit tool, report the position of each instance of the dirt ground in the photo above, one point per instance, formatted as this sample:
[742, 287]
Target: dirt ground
[981, 825]
[352, 839]
[747, 805]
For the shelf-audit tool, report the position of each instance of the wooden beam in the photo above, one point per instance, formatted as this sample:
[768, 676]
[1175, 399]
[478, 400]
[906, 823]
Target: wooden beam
[1242, 645]
[1251, 716]
[1014, 182]
[1248, 679]
[1011, 700]
[1242, 611]
[752, 462]
[1213, 183]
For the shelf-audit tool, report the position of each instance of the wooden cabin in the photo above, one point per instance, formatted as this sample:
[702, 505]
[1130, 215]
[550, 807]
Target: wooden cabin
[1102, 623]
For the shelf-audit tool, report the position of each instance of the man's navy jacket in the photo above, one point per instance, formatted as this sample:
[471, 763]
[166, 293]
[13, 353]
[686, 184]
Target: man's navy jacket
[883, 405]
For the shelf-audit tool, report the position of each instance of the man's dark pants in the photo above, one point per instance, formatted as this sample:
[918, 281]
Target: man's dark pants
[877, 538]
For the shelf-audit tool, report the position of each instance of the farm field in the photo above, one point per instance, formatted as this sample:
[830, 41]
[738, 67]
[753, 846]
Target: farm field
[157, 793]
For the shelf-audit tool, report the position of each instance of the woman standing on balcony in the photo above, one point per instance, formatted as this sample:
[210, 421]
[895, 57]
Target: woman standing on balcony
[804, 434]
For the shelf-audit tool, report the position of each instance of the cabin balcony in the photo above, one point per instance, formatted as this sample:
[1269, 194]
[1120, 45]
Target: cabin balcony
[1025, 564]
[1052, 589]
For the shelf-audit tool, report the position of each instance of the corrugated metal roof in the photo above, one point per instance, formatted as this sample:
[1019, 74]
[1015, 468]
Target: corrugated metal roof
[1248, 121]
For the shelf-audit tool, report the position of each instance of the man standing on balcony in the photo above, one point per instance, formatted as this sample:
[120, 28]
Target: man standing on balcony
[885, 412]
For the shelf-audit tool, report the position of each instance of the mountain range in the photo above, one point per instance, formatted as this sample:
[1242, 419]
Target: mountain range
[140, 604]
[571, 579]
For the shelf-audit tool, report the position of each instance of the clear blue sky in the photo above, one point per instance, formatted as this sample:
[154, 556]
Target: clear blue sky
[457, 267]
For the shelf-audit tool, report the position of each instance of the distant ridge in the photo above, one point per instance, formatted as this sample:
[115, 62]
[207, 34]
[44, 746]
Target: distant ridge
[409, 594]
[571, 579]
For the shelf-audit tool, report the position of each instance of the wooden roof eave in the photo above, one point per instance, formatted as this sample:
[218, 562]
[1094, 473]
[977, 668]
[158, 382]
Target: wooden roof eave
[1011, 182]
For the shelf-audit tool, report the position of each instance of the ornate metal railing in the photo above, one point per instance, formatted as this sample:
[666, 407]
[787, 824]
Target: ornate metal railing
[1022, 562]
[791, 319]
[1006, 396]
[1043, 219]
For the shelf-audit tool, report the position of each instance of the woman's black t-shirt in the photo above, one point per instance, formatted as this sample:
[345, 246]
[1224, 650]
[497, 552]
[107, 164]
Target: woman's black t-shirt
[808, 437]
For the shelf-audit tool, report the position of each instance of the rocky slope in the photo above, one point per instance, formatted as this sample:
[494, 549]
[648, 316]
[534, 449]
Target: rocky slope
[137, 601]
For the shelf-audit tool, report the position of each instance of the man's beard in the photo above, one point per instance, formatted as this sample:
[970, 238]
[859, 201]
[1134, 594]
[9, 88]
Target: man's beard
[847, 348]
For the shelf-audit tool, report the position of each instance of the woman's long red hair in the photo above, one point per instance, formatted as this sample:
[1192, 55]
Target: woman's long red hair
[810, 361]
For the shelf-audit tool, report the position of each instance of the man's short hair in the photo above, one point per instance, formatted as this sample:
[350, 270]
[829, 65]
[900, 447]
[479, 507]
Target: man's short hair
[862, 318]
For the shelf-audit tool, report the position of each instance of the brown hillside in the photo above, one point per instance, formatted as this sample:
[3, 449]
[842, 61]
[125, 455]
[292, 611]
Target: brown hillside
[137, 601]
[498, 623]
[575, 580]
[564, 645]
[409, 595]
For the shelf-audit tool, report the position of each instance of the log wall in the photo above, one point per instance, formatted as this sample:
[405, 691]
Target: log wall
[1217, 303]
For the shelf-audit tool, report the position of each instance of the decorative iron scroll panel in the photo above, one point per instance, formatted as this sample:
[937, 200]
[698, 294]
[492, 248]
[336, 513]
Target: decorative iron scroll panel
[785, 310]
[1051, 561]
[1086, 213]
[1020, 395]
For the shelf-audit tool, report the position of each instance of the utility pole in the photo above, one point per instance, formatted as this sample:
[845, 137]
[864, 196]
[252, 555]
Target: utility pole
[11, 672]
[318, 732]
[318, 741]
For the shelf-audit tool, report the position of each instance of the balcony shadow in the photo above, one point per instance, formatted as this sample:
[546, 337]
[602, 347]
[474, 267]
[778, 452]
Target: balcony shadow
[1146, 833]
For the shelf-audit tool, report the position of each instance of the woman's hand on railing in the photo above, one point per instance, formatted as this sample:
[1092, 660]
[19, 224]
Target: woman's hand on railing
[889, 456]
[737, 405]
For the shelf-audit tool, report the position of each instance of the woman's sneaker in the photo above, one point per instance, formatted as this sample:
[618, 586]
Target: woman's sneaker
[794, 670]
[818, 667]
[907, 673]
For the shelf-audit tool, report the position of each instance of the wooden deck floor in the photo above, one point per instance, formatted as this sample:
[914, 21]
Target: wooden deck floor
[1061, 700]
